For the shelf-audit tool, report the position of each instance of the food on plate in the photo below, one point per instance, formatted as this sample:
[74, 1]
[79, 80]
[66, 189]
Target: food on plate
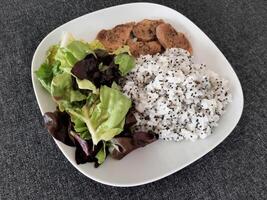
[92, 112]
[134, 84]
[144, 37]
[145, 30]
[128, 144]
[138, 48]
[169, 37]
[175, 97]
[116, 37]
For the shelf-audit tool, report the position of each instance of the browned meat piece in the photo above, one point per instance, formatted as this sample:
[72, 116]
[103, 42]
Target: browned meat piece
[143, 48]
[113, 39]
[169, 37]
[146, 29]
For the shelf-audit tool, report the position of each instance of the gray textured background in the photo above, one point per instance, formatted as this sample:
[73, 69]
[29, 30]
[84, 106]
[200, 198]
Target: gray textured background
[32, 167]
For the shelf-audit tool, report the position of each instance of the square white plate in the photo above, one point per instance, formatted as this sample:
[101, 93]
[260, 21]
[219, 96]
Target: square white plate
[161, 158]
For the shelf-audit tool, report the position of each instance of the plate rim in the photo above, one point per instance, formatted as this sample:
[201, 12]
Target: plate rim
[170, 172]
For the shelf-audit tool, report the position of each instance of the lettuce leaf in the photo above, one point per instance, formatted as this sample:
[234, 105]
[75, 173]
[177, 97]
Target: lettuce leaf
[78, 124]
[80, 128]
[103, 115]
[71, 50]
[79, 49]
[48, 69]
[96, 44]
[50, 59]
[106, 119]
[86, 85]
[45, 75]
[115, 86]
[123, 49]
[126, 63]
[101, 155]
[62, 58]
[62, 91]
[72, 53]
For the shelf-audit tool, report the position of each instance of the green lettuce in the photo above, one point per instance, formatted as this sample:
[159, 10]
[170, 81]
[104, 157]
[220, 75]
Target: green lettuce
[48, 69]
[123, 49]
[62, 58]
[72, 53]
[100, 115]
[78, 124]
[126, 63]
[80, 128]
[86, 85]
[101, 155]
[115, 86]
[45, 75]
[62, 91]
[50, 59]
[96, 44]
[106, 119]
[79, 49]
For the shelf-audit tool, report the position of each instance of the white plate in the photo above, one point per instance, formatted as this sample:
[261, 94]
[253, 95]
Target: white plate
[161, 158]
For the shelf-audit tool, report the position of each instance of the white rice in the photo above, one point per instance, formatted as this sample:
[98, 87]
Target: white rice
[175, 97]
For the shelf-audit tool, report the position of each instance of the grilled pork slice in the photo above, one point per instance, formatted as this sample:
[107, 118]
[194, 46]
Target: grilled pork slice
[116, 37]
[169, 37]
[145, 30]
[143, 48]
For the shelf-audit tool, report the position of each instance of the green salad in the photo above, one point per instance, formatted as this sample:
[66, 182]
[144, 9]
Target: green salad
[92, 112]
